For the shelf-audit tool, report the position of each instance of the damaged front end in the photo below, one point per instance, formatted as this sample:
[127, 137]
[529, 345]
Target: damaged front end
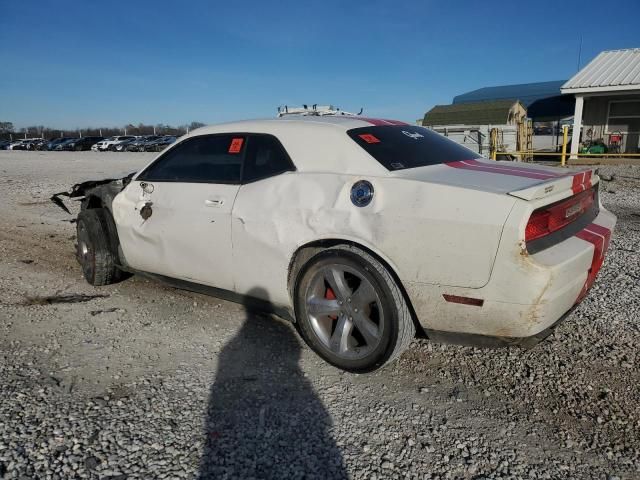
[102, 191]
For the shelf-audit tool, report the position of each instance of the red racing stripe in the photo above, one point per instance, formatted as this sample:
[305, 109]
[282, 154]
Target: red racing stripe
[581, 181]
[512, 168]
[599, 229]
[395, 122]
[600, 238]
[477, 166]
[380, 121]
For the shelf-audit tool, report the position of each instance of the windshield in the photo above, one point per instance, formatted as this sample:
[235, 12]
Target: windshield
[398, 147]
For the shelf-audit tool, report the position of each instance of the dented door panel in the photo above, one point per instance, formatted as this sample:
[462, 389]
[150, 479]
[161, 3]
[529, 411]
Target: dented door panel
[188, 234]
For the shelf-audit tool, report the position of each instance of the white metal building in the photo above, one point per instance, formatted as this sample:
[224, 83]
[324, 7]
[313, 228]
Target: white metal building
[607, 93]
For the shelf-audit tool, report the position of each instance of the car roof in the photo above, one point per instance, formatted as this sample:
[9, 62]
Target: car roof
[343, 122]
[315, 143]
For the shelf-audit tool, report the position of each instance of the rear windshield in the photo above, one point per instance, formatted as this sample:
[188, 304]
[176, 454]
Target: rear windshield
[398, 147]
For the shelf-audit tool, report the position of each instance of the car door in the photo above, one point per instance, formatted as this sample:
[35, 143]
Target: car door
[260, 263]
[174, 218]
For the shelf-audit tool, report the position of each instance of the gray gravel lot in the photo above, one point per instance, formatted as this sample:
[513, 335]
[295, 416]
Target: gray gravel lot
[138, 380]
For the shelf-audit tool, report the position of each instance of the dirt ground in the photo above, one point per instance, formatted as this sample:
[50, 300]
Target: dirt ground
[138, 380]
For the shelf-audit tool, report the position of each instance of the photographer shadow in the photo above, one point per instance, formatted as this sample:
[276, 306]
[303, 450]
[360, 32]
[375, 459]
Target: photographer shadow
[263, 418]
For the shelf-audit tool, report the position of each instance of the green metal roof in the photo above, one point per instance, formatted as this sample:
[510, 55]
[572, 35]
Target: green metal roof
[494, 112]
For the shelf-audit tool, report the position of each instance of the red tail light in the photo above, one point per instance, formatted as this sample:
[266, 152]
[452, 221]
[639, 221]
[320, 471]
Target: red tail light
[553, 217]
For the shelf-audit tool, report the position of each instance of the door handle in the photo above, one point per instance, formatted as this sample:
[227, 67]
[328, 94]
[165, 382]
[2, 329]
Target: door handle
[215, 202]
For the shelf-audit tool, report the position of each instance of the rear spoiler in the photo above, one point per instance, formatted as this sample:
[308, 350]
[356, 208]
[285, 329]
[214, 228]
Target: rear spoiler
[574, 181]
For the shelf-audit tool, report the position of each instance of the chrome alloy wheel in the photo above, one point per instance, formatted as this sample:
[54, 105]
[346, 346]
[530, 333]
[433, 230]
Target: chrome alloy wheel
[84, 252]
[345, 311]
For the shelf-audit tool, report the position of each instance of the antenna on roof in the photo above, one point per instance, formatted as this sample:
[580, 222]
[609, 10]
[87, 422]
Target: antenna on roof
[579, 52]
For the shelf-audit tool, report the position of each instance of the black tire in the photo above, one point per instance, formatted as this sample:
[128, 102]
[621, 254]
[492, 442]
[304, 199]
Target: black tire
[95, 249]
[114, 243]
[395, 327]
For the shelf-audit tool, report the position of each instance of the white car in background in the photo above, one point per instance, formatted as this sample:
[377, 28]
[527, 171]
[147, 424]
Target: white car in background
[110, 143]
[17, 145]
[360, 230]
[25, 144]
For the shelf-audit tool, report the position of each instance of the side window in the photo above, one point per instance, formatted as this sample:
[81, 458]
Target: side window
[203, 159]
[265, 157]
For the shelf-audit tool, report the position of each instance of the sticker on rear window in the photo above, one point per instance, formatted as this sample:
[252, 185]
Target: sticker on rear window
[236, 145]
[414, 135]
[367, 137]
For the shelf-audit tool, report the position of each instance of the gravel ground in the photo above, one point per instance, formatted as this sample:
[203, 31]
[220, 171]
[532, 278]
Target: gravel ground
[137, 380]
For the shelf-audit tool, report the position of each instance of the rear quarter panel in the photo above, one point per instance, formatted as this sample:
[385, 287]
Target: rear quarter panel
[428, 233]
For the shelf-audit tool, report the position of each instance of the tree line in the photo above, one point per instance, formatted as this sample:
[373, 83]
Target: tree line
[9, 132]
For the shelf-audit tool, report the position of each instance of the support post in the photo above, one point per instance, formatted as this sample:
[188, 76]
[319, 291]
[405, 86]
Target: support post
[493, 143]
[565, 136]
[577, 125]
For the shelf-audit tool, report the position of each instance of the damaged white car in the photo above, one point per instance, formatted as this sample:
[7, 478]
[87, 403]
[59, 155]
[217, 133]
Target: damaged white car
[362, 231]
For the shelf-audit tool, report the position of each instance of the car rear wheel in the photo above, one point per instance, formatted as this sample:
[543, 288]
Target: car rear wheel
[350, 310]
[96, 248]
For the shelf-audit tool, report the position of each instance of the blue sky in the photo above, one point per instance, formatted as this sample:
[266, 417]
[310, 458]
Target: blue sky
[77, 63]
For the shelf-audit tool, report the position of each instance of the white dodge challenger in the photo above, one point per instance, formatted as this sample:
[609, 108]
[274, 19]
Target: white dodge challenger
[362, 231]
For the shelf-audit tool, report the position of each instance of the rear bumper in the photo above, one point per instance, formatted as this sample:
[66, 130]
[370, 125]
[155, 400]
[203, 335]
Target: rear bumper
[526, 296]
[486, 341]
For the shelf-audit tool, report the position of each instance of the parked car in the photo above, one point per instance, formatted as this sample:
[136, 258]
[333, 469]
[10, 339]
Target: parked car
[111, 142]
[140, 143]
[122, 146]
[360, 230]
[83, 143]
[63, 145]
[39, 144]
[17, 145]
[27, 144]
[159, 144]
[54, 142]
[4, 144]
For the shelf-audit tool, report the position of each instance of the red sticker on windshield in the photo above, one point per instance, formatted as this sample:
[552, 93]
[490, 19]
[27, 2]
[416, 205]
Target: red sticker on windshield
[236, 145]
[367, 137]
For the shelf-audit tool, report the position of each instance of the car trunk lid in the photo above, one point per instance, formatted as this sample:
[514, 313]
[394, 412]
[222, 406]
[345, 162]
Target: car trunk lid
[522, 180]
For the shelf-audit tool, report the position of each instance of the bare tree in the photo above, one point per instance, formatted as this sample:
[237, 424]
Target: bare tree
[7, 129]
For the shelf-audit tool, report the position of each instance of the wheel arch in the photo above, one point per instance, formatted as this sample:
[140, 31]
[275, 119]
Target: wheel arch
[305, 252]
[100, 198]
[93, 201]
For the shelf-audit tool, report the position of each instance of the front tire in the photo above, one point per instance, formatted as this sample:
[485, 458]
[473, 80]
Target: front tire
[94, 249]
[350, 310]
